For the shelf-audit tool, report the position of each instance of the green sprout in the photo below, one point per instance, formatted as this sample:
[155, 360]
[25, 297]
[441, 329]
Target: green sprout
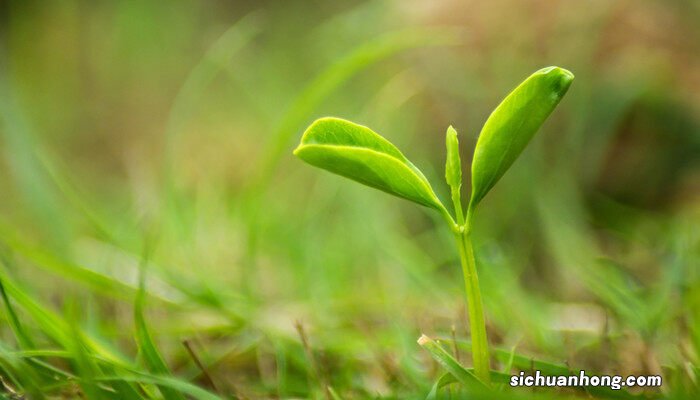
[358, 153]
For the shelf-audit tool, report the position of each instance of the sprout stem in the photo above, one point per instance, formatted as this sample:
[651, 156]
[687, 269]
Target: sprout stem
[477, 323]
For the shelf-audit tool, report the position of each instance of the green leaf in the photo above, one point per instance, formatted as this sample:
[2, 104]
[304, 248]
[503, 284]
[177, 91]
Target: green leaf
[512, 124]
[527, 363]
[172, 383]
[154, 361]
[453, 165]
[461, 374]
[356, 152]
[83, 362]
[28, 376]
[25, 341]
[446, 379]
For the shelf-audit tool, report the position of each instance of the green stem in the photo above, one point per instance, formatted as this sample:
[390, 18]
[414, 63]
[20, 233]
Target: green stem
[480, 343]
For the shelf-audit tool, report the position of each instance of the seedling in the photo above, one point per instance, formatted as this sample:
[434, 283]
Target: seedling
[356, 152]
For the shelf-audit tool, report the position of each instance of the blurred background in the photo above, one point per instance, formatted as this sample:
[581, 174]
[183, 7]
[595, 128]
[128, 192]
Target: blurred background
[156, 137]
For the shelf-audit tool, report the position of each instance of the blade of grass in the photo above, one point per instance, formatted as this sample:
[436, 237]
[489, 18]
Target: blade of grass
[447, 378]
[334, 395]
[526, 363]
[98, 282]
[89, 372]
[29, 377]
[9, 369]
[172, 384]
[152, 357]
[22, 373]
[25, 341]
[46, 368]
[508, 365]
[86, 368]
[465, 377]
[49, 322]
[518, 360]
[444, 380]
[140, 377]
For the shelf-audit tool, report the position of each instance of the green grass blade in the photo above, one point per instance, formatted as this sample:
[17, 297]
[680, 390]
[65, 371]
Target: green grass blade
[334, 395]
[152, 357]
[23, 338]
[86, 368]
[527, 363]
[98, 282]
[9, 369]
[29, 377]
[172, 384]
[444, 380]
[518, 360]
[509, 364]
[89, 371]
[50, 323]
[22, 373]
[45, 367]
[463, 376]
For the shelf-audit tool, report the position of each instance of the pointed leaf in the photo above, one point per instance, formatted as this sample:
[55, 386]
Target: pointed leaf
[453, 165]
[461, 374]
[512, 124]
[152, 357]
[444, 380]
[356, 152]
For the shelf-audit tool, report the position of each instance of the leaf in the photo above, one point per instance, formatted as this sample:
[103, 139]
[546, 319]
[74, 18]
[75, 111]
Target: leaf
[512, 124]
[172, 383]
[356, 152]
[333, 394]
[453, 165]
[443, 381]
[25, 341]
[28, 376]
[83, 362]
[461, 374]
[527, 363]
[154, 361]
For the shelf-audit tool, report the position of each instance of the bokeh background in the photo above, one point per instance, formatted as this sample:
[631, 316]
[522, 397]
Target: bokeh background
[157, 137]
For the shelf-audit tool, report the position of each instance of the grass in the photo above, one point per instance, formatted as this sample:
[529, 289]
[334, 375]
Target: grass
[239, 265]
